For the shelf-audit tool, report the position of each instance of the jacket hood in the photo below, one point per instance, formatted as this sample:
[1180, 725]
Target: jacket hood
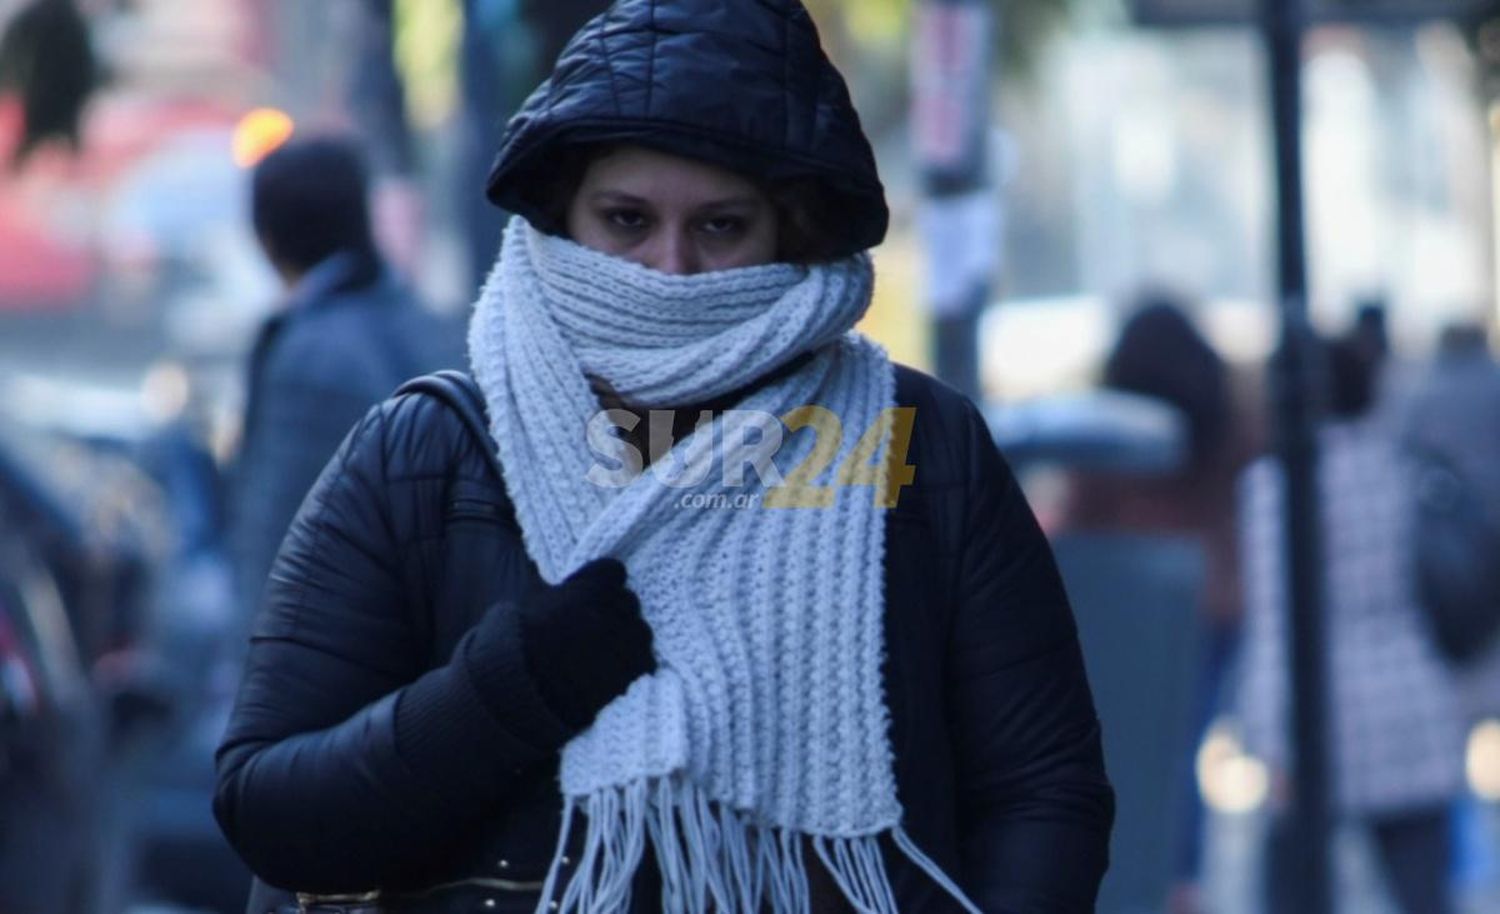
[742, 84]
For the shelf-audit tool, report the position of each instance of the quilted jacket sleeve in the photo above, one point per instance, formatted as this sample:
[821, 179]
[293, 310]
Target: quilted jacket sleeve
[1035, 805]
[347, 765]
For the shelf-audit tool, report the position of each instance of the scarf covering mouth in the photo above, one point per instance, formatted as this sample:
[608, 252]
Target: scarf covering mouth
[763, 736]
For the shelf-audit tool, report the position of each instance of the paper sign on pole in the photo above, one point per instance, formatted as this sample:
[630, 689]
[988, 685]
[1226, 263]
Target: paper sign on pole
[950, 97]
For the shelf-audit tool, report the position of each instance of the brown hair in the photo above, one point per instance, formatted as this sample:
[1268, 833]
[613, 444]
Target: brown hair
[804, 221]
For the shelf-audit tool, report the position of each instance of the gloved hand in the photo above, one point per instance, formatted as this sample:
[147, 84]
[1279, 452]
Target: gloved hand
[585, 641]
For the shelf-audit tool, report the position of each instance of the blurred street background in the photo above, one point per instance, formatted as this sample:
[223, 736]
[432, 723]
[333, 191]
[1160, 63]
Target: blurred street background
[1086, 216]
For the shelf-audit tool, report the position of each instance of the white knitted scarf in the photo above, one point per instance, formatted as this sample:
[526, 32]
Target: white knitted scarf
[764, 731]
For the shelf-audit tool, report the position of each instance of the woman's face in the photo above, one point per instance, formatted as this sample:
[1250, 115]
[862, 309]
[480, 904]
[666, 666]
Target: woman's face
[672, 214]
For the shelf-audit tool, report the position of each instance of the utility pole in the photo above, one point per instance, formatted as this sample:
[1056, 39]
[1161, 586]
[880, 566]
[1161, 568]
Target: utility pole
[951, 66]
[1295, 390]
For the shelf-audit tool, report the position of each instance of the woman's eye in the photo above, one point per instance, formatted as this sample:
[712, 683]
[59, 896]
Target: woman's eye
[626, 218]
[724, 225]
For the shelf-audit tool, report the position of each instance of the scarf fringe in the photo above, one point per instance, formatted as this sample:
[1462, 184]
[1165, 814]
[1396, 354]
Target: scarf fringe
[711, 860]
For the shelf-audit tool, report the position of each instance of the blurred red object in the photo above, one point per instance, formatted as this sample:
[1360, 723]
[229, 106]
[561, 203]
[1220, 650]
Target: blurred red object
[39, 272]
[51, 261]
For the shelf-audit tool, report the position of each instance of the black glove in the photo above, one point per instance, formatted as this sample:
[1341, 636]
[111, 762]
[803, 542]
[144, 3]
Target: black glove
[585, 641]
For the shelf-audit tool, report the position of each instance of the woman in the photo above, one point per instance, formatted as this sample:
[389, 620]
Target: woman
[1162, 355]
[603, 688]
[1395, 737]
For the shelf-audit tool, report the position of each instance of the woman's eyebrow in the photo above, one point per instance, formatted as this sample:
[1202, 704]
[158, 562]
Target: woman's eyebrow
[629, 199]
[617, 196]
[731, 203]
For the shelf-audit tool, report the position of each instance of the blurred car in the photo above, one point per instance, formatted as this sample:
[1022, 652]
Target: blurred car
[52, 726]
[1101, 430]
[107, 718]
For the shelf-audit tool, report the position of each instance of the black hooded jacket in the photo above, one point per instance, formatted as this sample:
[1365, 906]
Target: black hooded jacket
[364, 752]
[373, 745]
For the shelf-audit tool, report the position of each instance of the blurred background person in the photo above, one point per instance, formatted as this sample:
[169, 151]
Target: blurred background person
[1160, 354]
[1371, 333]
[1395, 736]
[1452, 410]
[343, 338]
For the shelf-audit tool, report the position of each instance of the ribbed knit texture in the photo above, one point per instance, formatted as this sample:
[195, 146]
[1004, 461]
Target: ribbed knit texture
[765, 723]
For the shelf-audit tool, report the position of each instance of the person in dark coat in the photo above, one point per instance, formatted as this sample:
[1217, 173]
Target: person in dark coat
[1452, 409]
[345, 336]
[600, 680]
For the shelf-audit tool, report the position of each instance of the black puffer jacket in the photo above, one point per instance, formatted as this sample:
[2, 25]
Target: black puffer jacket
[370, 748]
[362, 754]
